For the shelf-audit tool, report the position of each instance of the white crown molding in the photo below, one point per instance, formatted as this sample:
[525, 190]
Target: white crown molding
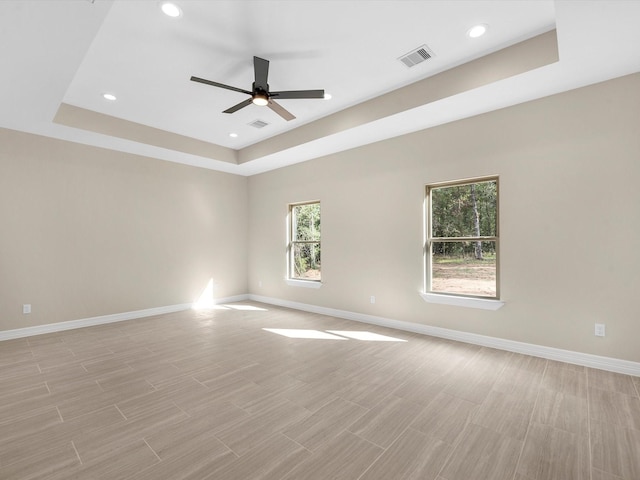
[103, 319]
[551, 353]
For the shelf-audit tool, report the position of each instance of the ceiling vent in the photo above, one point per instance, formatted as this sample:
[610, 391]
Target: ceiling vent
[419, 55]
[258, 124]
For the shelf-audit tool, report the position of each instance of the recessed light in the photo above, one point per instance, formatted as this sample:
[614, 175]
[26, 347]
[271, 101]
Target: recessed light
[233, 135]
[109, 96]
[171, 9]
[477, 30]
[327, 96]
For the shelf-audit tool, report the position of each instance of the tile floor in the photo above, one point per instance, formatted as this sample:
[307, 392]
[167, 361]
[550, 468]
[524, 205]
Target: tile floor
[212, 395]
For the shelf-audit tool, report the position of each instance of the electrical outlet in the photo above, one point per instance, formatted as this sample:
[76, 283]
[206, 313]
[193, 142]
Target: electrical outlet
[259, 283]
[373, 299]
[599, 330]
[26, 308]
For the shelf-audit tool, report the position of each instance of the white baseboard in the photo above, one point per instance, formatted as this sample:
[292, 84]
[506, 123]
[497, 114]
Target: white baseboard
[568, 356]
[551, 353]
[103, 319]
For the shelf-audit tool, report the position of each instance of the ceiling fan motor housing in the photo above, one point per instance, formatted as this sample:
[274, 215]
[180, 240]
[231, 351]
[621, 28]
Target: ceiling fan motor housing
[260, 96]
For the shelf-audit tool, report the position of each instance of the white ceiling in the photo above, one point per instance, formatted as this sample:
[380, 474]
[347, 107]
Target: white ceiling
[71, 52]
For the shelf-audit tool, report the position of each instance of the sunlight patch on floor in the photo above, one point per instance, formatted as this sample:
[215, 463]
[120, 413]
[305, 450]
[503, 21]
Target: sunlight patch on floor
[246, 307]
[366, 336]
[333, 335]
[299, 333]
[206, 301]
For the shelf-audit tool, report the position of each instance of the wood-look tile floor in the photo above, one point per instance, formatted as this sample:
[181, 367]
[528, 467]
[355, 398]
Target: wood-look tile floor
[212, 395]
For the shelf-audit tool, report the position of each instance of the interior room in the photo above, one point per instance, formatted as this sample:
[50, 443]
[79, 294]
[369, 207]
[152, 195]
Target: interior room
[170, 308]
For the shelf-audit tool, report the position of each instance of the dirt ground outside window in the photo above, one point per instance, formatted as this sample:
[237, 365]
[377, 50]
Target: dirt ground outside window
[464, 277]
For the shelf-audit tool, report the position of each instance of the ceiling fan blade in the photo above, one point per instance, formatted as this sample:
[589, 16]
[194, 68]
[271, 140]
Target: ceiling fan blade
[298, 94]
[261, 69]
[221, 85]
[237, 107]
[280, 110]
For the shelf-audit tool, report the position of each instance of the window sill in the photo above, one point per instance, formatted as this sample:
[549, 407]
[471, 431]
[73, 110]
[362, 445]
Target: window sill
[303, 283]
[484, 304]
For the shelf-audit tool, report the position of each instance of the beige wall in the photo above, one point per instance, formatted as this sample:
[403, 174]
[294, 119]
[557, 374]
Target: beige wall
[87, 232]
[569, 168]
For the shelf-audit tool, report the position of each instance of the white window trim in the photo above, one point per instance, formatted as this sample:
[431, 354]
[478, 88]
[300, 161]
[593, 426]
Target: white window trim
[303, 283]
[444, 298]
[458, 301]
[292, 281]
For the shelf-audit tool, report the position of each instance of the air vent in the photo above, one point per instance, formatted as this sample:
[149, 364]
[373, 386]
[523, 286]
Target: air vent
[258, 124]
[417, 56]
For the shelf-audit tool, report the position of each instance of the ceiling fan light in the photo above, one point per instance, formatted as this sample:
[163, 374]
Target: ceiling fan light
[260, 99]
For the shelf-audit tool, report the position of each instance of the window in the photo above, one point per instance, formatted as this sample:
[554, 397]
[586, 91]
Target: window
[304, 245]
[462, 246]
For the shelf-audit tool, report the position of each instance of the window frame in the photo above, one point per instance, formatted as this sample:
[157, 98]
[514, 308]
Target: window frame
[291, 243]
[429, 240]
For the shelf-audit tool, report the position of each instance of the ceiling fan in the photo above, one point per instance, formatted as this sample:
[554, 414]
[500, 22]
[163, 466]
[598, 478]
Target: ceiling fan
[260, 94]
